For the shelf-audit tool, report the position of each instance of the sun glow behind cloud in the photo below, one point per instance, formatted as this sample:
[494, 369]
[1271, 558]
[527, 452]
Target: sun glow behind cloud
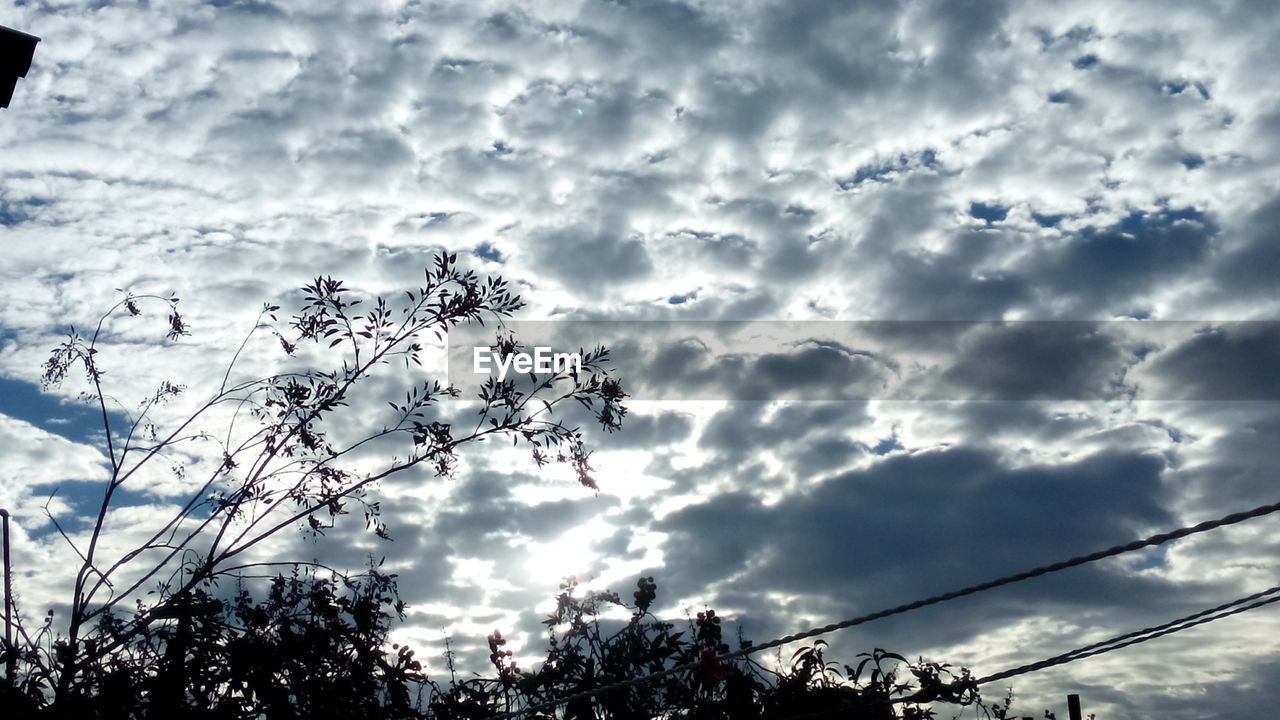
[568, 555]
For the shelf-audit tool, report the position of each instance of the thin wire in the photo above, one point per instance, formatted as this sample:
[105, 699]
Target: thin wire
[1271, 595]
[1098, 647]
[1158, 539]
[1141, 636]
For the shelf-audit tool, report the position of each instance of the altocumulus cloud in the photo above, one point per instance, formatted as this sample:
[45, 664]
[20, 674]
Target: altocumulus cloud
[781, 161]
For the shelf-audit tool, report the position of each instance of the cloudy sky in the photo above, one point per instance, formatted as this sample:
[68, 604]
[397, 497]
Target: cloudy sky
[826, 175]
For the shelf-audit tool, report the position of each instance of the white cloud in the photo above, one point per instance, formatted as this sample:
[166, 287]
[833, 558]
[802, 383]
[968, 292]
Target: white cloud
[707, 160]
[36, 457]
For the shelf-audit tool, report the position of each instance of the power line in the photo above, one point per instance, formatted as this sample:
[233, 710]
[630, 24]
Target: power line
[1234, 607]
[1158, 539]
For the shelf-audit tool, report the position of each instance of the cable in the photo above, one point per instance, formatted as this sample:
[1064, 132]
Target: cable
[1141, 636]
[1152, 541]
[1233, 607]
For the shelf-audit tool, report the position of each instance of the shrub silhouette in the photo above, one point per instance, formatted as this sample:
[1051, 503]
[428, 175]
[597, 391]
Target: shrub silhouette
[317, 647]
[583, 655]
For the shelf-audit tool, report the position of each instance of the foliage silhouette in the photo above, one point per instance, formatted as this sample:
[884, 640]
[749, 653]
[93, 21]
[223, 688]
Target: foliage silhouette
[582, 655]
[317, 647]
[283, 457]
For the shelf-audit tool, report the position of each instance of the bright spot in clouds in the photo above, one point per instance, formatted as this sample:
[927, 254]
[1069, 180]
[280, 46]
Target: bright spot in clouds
[568, 555]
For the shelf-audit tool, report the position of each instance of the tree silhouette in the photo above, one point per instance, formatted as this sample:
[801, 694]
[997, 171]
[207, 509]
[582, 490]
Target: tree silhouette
[283, 457]
[314, 642]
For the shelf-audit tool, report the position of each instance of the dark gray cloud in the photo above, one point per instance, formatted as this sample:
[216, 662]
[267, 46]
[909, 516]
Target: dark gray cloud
[917, 525]
[1104, 267]
[594, 259]
[1040, 361]
[735, 435]
[651, 431]
[1231, 361]
[953, 514]
[480, 510]
[1251, 265]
